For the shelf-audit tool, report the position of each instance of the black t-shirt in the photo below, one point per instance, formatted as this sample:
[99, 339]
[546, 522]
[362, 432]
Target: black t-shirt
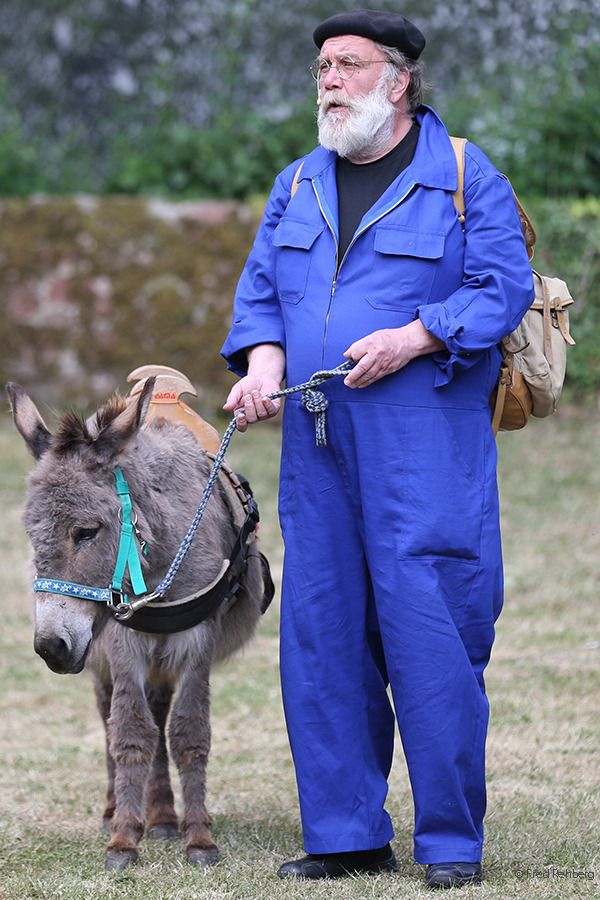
[361, 185]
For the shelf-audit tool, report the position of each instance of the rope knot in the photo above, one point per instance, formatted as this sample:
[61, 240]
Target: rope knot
[316, 402]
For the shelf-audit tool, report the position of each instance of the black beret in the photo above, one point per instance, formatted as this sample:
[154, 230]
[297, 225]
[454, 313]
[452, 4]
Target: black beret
[387, 28]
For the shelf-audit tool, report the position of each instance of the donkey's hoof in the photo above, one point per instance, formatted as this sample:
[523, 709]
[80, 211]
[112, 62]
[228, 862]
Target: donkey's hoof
[164, 833]
[119, 860]
[208, 856]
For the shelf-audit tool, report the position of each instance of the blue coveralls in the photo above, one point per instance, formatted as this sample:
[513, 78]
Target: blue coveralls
[393, 568]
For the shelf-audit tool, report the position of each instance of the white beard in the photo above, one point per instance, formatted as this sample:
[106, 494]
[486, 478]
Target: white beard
[365, 130]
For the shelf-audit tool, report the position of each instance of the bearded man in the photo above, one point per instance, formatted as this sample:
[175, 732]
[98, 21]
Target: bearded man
[393, 568]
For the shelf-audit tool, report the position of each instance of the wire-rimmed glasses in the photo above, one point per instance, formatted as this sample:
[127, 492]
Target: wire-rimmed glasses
[346, 66]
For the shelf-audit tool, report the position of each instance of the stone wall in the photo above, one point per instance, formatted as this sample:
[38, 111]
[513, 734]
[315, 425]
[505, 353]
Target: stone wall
[91, 288]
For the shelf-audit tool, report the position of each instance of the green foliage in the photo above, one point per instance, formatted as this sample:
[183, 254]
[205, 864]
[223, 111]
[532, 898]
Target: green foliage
[237, 158]
[212, 99]
[543, 129]
[19, 174]
[18, 164]
[31, 162]
[556, 147]
[569, 247]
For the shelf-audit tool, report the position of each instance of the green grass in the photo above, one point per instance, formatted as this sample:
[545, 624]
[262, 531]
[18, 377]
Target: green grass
[543, 682]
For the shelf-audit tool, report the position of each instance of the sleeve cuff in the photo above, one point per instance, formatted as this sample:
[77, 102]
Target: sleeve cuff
[436, 319]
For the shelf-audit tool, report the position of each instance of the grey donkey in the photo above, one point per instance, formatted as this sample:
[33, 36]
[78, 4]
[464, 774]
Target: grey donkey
[149, 687]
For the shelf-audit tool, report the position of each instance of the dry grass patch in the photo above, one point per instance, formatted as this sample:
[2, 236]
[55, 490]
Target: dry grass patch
[543, 682]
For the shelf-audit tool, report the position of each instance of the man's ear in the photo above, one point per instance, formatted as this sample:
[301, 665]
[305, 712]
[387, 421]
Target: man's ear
[400, 86]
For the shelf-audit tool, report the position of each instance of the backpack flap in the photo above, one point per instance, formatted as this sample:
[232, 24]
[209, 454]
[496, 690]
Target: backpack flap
[552, 297]
[539, 344]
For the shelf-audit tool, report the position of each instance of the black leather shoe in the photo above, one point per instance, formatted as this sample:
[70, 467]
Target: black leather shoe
[458, 874]
[337, 865]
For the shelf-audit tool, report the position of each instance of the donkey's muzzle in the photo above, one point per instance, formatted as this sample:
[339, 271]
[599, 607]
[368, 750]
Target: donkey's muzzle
[59, 655]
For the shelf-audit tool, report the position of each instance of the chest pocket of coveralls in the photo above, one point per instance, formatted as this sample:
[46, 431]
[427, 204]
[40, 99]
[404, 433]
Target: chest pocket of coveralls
[294, 239]
[404, 266]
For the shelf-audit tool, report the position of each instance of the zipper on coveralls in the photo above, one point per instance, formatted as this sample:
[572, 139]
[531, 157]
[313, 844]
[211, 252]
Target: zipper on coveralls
[339, 263]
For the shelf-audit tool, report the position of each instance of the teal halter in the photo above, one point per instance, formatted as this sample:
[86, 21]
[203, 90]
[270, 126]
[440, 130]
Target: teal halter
[128, 557]
[128, 552]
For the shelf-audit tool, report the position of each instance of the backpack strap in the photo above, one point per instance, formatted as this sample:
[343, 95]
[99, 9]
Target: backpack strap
[527, 226]
[458, 196]
[296, 181]
[505, 378]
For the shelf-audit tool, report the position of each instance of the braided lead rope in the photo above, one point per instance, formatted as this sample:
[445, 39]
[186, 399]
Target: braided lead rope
[167, 581]
[314, 400]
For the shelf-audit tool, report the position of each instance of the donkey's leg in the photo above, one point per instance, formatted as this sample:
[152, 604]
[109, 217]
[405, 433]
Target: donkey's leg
[189, 735]
[133, 739]
[103, 693]
[162, 819]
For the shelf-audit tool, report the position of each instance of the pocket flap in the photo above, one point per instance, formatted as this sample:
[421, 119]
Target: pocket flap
[396, 240]
[296, 233]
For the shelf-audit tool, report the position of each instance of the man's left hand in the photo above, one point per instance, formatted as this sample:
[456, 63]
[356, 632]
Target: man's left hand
[386, 351]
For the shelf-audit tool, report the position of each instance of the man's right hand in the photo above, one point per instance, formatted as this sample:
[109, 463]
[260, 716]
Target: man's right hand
[247, 399]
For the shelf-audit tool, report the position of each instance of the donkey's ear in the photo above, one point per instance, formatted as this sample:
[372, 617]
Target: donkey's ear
[114, 437]
[28, 421]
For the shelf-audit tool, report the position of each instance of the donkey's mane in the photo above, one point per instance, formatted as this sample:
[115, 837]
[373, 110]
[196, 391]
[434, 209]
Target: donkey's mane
[109, 412]
[74, 432]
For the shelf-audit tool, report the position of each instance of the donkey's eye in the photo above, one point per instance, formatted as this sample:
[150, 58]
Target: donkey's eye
[84, 535]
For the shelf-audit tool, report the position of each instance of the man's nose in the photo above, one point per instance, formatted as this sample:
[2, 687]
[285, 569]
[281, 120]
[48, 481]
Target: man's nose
[331, 80]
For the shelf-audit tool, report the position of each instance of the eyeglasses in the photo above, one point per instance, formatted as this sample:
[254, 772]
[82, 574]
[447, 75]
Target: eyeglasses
[345, 66]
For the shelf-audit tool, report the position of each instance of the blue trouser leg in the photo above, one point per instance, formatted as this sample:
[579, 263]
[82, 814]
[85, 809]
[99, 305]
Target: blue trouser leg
[442, 716]
[382, 581]
[339, 717]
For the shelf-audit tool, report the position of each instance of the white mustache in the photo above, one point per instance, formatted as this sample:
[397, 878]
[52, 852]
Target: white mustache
[333, 99]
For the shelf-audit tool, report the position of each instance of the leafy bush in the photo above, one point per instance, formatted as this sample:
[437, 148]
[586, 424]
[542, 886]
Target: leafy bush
[19, 170]
[237, 158]
[543, 130]
[569, 248]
